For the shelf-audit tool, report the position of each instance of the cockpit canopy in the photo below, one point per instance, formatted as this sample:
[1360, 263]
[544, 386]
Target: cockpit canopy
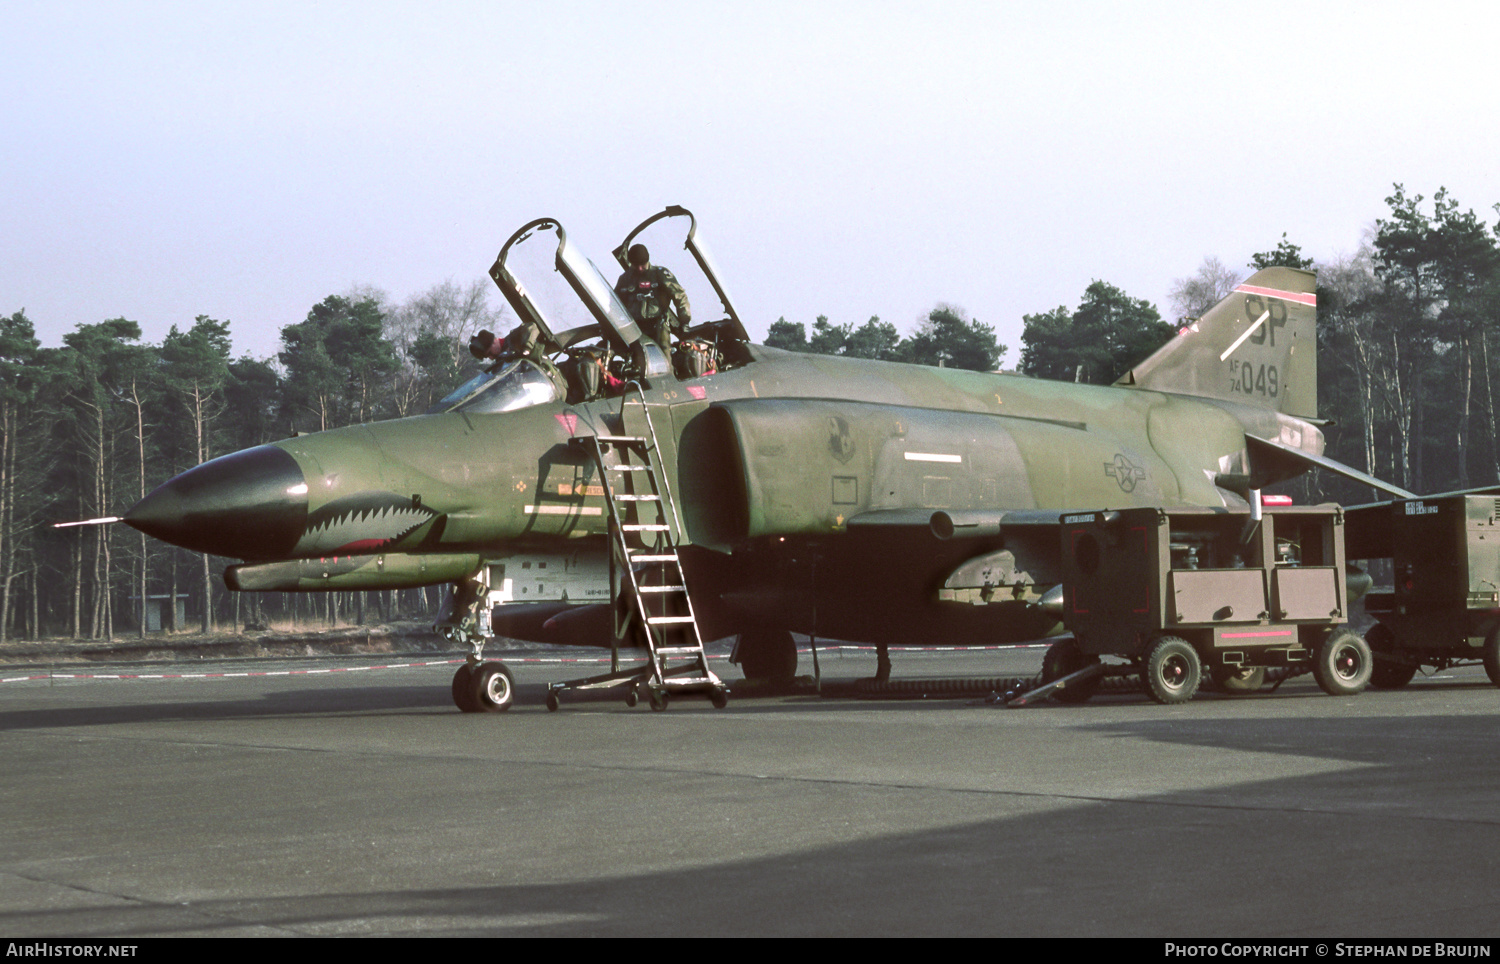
[568, 307]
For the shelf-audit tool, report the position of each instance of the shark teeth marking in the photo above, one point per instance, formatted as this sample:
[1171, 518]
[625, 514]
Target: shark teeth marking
[368, 527]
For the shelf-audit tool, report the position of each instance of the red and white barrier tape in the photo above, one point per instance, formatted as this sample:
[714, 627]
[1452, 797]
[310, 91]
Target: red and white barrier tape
[451, 662]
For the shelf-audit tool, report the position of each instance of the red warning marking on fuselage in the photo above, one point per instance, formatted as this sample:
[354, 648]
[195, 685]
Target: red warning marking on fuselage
[1300, 297]
[569, 421]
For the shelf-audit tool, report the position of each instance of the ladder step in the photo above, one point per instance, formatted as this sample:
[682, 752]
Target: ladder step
[631, 452]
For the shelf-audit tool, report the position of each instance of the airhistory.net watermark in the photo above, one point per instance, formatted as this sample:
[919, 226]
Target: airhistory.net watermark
[50, 949]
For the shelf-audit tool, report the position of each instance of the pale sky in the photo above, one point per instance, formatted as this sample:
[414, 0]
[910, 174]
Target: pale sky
[245, 160]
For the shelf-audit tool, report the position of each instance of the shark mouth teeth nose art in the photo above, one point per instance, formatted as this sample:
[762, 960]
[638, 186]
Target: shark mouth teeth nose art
[361, 523]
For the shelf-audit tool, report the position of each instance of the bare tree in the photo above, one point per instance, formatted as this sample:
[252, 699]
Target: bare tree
[431, 332]
[1211, 284]
[1351, 282]
[448, 310]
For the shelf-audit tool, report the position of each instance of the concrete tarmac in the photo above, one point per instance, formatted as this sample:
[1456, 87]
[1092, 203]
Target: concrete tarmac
[364, 803]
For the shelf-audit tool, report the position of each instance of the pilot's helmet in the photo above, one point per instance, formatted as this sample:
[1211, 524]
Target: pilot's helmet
[639, 256]
[480, 344]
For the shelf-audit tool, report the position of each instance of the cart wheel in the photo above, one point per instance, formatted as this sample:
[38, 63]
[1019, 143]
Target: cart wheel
[1391, 671]
[632, 697]
[463, 689]
[1343, 663]
[718, 697]
[552, 701]
[1492, 655]
[658, 701]
[1237, 680]
[1063, 657]
[1172, 671]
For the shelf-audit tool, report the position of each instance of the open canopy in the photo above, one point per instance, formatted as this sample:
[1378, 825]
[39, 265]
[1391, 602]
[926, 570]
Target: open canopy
[698, 248]
[610, 318]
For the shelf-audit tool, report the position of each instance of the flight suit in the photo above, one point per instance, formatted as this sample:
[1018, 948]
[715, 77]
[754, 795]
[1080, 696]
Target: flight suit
[647, 296]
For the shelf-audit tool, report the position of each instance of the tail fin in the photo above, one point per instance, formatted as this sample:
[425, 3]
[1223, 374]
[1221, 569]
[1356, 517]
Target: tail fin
[1257, 346]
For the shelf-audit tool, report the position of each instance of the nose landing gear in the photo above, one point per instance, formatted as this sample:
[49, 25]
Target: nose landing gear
[480, 685]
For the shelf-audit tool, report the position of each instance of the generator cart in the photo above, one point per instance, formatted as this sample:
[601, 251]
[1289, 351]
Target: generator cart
[1178, 592]
[1443, 608]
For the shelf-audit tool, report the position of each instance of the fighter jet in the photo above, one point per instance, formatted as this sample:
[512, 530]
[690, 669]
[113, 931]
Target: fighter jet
[755, 493]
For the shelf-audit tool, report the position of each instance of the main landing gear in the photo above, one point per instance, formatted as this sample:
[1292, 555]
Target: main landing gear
[766, 654]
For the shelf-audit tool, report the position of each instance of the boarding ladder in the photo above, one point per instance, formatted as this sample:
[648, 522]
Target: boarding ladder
[647, 586]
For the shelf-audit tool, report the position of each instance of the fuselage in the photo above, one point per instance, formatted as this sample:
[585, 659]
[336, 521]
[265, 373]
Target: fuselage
[767, 462]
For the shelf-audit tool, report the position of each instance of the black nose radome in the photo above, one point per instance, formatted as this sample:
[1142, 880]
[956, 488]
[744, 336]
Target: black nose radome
[251, 505]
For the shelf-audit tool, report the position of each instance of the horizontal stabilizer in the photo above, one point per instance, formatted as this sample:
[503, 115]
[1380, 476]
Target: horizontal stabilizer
[1265, 449]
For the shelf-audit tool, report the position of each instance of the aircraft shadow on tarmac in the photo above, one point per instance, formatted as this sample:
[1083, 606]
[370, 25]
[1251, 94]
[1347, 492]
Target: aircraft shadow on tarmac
[425, 697]
[1292, 856]
[1392, 741]
[421, 698]
[333, 700]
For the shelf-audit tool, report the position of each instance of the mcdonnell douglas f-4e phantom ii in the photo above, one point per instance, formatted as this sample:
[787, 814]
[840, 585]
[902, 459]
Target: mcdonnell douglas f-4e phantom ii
[852, 499]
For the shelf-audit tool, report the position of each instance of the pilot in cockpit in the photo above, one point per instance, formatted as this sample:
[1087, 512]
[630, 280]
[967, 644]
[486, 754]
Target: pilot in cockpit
[524, 341]
[649, 292]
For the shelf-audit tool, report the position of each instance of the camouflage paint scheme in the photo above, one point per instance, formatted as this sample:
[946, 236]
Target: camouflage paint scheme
[807, 484]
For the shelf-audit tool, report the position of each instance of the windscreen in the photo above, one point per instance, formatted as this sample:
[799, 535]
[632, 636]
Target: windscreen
[520, 384]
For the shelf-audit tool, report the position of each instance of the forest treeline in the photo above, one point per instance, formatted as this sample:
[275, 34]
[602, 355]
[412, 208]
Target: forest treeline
[86, 429]
[90, 427]
[1406, 377]
[1405, 372]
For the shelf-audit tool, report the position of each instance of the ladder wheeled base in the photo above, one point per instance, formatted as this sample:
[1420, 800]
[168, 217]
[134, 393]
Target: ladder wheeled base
[637, 683]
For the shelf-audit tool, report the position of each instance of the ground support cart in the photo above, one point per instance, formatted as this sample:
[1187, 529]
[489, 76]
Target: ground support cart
[1181, 592]
[1443, 608]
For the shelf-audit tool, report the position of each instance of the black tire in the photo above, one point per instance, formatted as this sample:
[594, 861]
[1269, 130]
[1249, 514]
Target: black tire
[718, 697]
[553, 703]
[768, 654]
[1237, 680]
[1062, 658]
[463, 689]
[494, 687]
[658, 701]
[1343, 663]
[1492, 656]
[1173, 670]
[1391, 670]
